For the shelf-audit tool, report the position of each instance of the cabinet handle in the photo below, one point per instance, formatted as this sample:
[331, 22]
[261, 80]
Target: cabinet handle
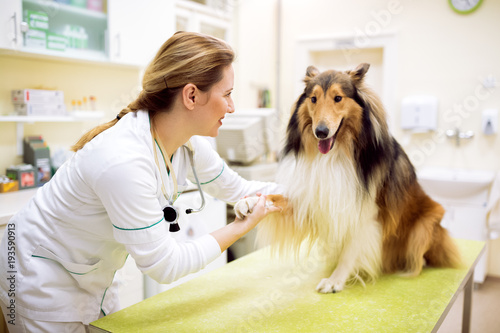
[118, 45]
[14, 19]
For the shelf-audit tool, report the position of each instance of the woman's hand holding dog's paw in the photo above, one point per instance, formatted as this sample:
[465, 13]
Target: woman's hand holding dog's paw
[245, 206]
[249, 211]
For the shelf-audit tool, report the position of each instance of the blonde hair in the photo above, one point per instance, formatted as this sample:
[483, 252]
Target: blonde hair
[186, 57]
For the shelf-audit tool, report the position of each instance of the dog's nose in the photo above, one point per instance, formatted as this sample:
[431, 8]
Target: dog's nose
[321, 131]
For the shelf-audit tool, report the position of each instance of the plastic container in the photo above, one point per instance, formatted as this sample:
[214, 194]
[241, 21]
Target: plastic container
[94, 5]
[79, 3]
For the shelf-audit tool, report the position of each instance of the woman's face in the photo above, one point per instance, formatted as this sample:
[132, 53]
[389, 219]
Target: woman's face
[219, 102]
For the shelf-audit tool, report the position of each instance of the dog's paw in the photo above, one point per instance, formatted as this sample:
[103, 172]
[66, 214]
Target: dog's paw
[327, 286]
[245, 206]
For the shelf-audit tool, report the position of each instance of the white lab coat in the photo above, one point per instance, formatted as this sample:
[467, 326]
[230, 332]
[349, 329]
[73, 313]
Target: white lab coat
[101, 205]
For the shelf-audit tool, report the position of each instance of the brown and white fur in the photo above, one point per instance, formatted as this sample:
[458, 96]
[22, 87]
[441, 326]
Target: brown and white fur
[351, 189]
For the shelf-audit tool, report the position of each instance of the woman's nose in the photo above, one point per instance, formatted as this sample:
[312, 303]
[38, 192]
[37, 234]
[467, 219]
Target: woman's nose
[230, 108]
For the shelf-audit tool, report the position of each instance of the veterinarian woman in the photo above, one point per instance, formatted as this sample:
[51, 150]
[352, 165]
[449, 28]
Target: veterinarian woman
[107, 201]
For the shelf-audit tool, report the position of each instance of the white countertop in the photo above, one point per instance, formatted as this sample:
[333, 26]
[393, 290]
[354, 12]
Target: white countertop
[12, 202]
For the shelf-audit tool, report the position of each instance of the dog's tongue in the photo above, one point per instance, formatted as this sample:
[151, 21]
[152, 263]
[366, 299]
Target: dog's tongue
[324, 146]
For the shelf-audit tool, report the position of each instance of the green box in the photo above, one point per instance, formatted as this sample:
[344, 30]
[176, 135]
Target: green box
[37, 20]
[36, 38]
[56, 42]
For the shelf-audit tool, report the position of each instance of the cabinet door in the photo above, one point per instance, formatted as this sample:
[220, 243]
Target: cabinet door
[10, 24]
[138, 29]
[466, 221]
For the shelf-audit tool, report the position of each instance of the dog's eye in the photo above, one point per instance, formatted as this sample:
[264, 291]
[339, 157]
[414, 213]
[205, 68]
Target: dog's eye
[337, 99]
[313, 99]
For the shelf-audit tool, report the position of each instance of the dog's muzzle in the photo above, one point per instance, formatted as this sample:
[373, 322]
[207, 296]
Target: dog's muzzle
[326, 144]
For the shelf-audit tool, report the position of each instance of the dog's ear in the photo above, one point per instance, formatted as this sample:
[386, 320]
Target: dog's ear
[358, 74]
[310, 74]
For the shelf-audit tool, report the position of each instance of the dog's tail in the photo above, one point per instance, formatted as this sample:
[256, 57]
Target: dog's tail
[429, 241]
[443, 251]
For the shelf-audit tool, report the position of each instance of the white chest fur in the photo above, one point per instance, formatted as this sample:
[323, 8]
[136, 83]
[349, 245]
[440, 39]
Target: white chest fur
[327, 199]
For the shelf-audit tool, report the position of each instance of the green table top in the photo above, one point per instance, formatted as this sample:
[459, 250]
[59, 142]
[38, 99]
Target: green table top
[259, 294]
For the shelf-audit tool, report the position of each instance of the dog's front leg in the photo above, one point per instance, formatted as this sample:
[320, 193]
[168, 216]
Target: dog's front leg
[363, 253]
[346, 264]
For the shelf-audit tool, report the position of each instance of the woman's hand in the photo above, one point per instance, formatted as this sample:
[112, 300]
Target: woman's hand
[256, 213]
[229, 234]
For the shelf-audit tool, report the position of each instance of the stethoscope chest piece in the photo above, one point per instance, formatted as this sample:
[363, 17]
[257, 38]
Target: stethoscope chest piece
[171, 215]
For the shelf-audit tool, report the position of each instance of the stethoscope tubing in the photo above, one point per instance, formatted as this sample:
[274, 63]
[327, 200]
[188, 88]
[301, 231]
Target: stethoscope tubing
[192, 210]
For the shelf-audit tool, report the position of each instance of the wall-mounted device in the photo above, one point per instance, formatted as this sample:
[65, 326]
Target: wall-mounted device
[490, 121]
[419, 113]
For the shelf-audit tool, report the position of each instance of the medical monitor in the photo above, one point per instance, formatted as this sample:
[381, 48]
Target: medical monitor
[248, 135]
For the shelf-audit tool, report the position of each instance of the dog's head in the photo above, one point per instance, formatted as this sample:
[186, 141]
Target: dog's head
[330, 104]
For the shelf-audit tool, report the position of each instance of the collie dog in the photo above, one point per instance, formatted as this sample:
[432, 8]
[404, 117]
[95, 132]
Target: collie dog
[351, 189]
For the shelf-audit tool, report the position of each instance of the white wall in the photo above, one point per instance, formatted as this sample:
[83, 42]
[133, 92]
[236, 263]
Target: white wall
[255, 45]
[439, 52]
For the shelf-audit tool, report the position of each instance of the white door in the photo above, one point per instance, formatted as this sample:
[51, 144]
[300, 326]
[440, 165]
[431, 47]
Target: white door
[138, 29]
[10, 24]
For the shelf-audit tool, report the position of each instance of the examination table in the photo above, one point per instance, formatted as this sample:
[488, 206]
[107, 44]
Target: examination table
[259, 294]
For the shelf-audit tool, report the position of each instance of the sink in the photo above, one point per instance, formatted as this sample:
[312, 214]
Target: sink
[456, 184]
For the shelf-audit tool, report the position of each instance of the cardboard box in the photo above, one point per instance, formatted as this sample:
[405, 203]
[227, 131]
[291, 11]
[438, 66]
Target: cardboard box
[40, 109]
[56, 42]
[37, 96]
[37, 20]
[36, 38]
[24, 174]
[11, 186]
[37, 154]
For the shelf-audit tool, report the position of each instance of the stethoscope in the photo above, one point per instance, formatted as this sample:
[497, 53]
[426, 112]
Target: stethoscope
[170, 212]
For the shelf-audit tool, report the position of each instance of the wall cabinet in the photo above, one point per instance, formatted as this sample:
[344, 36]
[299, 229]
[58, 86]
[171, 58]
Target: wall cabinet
[212, 17]
[129, 33]
[125, 32]
[466, 220]
[10, 20]
[53, 29]
[137, 30]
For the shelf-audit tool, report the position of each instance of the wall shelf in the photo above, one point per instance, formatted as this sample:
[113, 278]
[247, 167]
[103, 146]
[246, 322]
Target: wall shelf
[71, 117]
[79, 116]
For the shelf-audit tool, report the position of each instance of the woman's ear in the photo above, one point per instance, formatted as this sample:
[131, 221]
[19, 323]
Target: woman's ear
[189, 95]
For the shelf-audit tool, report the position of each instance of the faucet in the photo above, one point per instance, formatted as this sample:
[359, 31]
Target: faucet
[457, 135]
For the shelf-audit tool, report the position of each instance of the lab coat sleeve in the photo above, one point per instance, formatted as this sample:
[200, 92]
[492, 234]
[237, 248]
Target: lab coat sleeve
[165, 260]
[220, 181]
[137, 222]
[128, 194]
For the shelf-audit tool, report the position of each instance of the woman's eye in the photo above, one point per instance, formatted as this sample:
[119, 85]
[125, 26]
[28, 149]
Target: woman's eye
[313, 99]
[337, 99]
